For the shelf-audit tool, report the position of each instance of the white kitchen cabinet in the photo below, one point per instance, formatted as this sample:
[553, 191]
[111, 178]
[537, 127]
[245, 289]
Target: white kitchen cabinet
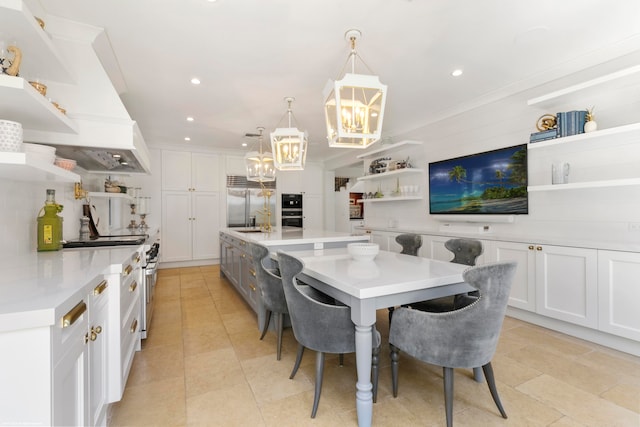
[186, 171]
[71, 367]
[308, 180]
[98, 353]
[123, 328]
[386, 240]
[313, 212]
[523, 288]
[190, 224]
[555, 281]
[190, 206]
[619, 293]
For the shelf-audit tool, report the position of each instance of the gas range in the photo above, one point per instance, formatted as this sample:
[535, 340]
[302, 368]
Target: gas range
[115, 240]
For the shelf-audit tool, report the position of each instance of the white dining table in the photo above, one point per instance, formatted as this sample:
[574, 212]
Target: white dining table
[391, 279]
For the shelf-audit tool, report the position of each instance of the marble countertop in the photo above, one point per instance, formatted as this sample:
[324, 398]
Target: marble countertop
[34, 285]
[289, 236]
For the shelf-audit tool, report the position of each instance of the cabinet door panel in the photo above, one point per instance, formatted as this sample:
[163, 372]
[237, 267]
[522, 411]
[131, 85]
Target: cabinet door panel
[523, 288]
[176, 170]
[312, 212]
[619, 293]
[205, 172]
[205, 225]
[567, 284]
[176, 226]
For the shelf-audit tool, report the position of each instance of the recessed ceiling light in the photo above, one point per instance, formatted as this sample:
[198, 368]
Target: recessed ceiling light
[189, 119]
[195, 81]
[186, 138]
[244, 144]
[456, 73]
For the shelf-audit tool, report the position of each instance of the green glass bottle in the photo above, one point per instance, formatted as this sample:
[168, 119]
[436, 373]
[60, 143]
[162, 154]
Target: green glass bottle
[50, 224]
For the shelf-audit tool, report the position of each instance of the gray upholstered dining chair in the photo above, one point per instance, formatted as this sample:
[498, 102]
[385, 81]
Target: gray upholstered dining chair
[462, 338]
[322, 327]
[271, 292]
[465, 251]
[411, 244]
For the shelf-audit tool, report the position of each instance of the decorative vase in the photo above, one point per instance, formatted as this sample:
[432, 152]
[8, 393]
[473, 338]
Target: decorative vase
[590, 126]
[10, 66]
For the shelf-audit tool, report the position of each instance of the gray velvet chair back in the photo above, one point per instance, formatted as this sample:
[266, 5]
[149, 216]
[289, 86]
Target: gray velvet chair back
[321, 327]
[465, 251]
[268, 279]
[463, 338]
[410, 243]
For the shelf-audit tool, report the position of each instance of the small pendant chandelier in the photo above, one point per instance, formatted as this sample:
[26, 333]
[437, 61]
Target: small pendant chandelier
[289, 145]
[354, 106]
[260, 166]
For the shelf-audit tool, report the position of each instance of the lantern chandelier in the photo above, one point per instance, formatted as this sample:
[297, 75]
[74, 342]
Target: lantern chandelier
[289, 145]
[260, 167]
[354, 106]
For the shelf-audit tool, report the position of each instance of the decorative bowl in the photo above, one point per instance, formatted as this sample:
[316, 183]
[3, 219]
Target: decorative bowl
[363, 251]
[10, 135]
[40, 87]
[67, 164]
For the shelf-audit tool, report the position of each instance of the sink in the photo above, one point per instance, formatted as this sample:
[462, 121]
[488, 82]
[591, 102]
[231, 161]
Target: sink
[248, 231]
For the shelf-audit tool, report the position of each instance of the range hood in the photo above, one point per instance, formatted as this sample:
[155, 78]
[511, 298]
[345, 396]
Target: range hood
[102, 145]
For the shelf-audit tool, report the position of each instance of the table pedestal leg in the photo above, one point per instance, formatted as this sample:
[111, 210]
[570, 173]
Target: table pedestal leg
[364, 395]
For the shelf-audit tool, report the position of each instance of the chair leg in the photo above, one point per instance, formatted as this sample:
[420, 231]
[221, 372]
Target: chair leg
[298, 360]
[375, 371]
[279, 322]
[391, 314]
[267, 319]
[319, 374]
[448, 394]
[491, 382]
[394, 369]
[341, 359]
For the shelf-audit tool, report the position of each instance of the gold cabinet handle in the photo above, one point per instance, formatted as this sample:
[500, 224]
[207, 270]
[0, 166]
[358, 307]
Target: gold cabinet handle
[538, 248]
[244, 255]
[100, 288]
[134, 326]
[86, 337]
[530, 247]
[133, 286]
[94, 332]
[252, 272]
[74, 314]
[252, 287]
[136, 258]
[128, 269]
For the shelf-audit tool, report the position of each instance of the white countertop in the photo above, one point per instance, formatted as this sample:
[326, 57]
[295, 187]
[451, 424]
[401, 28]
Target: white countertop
[287, 237]
[32, 286]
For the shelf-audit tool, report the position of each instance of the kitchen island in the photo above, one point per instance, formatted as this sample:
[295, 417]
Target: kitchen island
[238, 267]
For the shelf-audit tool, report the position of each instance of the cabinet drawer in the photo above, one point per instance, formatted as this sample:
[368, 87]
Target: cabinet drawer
[129, 290]
[130, 335]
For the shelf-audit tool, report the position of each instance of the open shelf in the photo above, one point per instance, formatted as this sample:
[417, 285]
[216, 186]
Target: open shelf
[23, 104]
[390, 199]
[104, 194]
[576, 94]
[606, 138]
[589, 184]
[394, 173]
[21, 167]
[388, 147]
[17, 22]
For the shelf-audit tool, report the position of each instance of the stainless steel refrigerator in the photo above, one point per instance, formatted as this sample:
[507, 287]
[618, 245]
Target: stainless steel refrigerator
[245, 200]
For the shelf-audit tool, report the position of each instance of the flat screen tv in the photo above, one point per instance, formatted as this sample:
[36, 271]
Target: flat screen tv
[493, 182]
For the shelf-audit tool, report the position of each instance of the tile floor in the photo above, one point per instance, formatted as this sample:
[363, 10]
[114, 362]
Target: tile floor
[203, 364]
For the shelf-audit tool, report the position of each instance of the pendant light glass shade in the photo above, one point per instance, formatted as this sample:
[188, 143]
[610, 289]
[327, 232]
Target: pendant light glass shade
[260, 165]
[289, 145]
[354, 106]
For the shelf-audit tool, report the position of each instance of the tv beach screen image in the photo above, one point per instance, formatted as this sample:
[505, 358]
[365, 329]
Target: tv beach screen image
[494, 182]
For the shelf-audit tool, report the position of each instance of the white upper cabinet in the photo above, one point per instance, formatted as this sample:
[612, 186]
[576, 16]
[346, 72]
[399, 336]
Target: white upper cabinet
[186, 171]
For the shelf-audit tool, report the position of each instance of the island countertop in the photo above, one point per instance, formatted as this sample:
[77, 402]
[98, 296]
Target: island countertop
[280, 237]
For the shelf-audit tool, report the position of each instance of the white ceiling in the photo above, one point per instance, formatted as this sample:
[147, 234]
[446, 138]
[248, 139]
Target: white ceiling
[250, 54]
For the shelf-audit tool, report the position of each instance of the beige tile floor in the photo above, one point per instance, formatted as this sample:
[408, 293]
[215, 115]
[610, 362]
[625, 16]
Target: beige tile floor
[203, 364]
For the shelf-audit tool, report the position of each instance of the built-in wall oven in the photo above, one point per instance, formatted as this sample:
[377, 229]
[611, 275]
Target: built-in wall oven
[291, 211]
[149, 277]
